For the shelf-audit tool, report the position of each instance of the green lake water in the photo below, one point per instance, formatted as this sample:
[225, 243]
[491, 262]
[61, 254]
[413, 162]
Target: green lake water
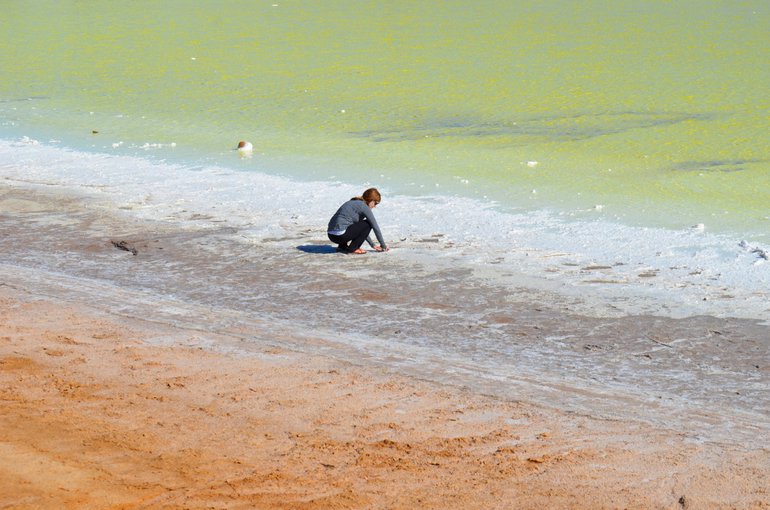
[657, 111]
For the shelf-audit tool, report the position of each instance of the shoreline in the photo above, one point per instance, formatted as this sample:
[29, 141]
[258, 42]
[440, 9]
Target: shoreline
[97, 414]
[428, 318]
[123, 387]
[582, 255]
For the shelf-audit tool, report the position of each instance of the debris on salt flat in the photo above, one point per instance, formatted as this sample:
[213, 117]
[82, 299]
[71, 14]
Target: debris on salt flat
[762, 253]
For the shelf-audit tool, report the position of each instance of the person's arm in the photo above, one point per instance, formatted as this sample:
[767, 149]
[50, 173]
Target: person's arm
[376, 228]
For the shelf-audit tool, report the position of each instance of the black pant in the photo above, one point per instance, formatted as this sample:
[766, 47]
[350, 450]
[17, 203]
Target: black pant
[355, 234]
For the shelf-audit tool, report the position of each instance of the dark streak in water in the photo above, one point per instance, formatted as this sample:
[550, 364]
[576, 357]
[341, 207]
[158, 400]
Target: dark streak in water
[19, 100]
[730, 165]
[563, 128]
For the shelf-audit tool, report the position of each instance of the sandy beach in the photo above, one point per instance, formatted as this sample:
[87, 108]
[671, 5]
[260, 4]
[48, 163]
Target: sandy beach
[97, 414]
[113, 397]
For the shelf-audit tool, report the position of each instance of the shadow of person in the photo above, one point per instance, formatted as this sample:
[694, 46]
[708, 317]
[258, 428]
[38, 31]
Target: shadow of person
[317, 248]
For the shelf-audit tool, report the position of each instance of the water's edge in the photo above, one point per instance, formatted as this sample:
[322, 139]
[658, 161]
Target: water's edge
[435, 321]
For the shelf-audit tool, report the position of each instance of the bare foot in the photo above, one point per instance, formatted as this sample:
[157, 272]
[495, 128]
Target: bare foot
[359, 251]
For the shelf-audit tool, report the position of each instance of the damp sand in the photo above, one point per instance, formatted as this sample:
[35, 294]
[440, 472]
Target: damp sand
[308, 386]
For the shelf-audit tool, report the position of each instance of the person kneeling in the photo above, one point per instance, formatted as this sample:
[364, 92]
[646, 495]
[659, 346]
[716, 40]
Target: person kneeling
[354, 220]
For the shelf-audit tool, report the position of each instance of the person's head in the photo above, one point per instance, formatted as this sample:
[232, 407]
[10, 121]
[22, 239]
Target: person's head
[369, 196]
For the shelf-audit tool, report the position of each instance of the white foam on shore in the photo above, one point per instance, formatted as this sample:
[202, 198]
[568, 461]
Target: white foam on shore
[611, 267]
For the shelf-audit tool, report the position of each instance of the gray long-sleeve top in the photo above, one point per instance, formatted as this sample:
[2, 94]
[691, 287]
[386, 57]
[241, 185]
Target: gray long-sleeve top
[351, 212]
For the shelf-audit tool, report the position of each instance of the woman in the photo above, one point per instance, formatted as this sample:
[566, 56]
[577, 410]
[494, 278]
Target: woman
[351, 224]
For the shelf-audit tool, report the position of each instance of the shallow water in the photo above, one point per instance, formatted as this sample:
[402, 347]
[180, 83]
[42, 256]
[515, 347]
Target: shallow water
[655, 112]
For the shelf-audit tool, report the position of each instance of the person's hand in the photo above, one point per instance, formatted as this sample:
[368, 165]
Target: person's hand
[379, 248]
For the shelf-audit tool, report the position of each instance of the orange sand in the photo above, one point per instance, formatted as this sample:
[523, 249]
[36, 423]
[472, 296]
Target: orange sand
[104, 412]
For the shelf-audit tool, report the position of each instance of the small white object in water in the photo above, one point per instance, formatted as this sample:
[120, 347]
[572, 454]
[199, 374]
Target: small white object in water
[532, 164]
[598, 207]
[700, 227]
[244, 147]
[116, 145]
[29, 141]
